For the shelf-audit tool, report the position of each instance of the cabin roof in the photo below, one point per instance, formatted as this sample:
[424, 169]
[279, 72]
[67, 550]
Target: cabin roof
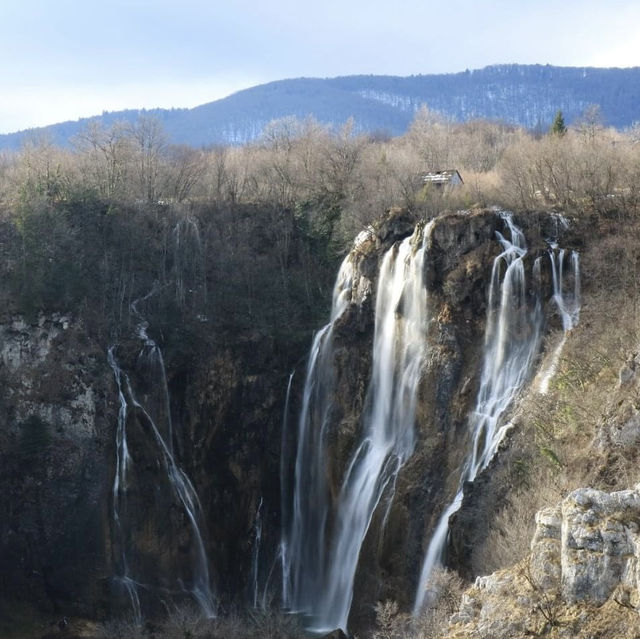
[442, 177]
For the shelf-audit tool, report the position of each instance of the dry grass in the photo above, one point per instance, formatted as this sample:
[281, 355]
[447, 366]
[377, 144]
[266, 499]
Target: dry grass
[187, 622]
[124, 628]
[391, 623]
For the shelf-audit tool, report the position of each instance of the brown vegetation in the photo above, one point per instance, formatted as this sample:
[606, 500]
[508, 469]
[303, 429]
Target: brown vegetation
[336, 180]
[189, 623]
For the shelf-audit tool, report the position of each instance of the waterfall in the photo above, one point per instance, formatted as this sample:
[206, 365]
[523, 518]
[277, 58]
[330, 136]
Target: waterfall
[120, 487]
[324, 557]
[567, 301]
[187, 269]
[266, 592]
[285, 500]
[154, 407]
[255, 555]
[304, 548]
[323, 535]
[512, 340]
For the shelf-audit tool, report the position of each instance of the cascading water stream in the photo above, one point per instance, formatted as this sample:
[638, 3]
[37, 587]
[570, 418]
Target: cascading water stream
[512, 341]
[285, 498]
[155, 409]
[187, 259]
[255, 556]
[303, 548]
[324, 558]
[185, 492]
[568, 307]
[120, 487]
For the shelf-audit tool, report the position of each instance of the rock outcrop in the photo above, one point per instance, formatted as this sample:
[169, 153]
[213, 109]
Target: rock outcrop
[597, 545]
[582, 572]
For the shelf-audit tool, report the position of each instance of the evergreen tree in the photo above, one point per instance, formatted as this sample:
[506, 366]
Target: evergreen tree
[558, 127]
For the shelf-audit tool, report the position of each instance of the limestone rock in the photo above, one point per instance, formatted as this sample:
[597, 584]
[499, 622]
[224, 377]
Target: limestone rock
[545, 548]
[582, 575]
[600, 543]
[487, 611]
[628, 372]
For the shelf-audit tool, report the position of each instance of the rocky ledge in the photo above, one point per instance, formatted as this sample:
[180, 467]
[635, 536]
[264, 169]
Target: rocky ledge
[581, 579]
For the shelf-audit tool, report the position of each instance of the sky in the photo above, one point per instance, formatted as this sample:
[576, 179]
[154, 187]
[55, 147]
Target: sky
[66, 59]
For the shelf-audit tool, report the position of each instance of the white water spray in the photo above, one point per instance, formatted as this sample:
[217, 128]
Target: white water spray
[567, 300]
[323, 575]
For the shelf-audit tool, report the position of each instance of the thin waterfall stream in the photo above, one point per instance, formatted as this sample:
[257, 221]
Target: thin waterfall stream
[255, 555]
[285, 498]
[120, 487]
[154, 410]
[568, 308]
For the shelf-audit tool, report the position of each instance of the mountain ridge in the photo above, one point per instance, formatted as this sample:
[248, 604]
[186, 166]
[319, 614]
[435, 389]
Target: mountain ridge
[522, 95]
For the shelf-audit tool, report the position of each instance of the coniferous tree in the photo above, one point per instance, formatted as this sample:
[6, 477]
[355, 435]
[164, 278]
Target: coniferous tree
[558, 127]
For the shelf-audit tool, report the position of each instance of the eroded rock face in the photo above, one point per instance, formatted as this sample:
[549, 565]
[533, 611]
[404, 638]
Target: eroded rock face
[589, 545]
[230, 406]
[545, 564]
[55, 449]
[458, 261]
[489, 609]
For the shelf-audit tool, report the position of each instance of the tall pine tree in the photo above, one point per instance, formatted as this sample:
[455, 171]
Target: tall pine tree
[558, 127]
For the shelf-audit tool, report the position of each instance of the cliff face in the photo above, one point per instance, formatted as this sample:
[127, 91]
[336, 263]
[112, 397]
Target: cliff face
[459, 254]
[60, 546]
[57, 412]
[232, 411]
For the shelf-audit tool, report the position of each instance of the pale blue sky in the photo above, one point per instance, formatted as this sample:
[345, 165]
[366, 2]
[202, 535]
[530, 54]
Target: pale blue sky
[65, 59]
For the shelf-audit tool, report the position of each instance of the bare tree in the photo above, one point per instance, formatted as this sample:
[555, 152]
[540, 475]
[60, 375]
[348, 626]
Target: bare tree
[106, 157]
[149, 143]
[184, 169]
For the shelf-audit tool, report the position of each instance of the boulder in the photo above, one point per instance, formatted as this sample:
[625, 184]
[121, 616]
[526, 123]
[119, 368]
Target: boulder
[600, 543]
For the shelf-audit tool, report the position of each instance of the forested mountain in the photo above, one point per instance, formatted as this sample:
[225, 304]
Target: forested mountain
[527, 95]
